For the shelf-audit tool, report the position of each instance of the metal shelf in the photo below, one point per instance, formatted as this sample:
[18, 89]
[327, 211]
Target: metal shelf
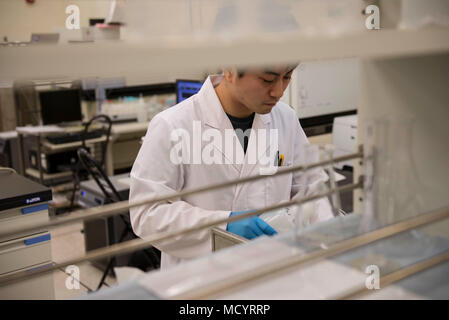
[162, 57]
[47, 176]
[55, 148]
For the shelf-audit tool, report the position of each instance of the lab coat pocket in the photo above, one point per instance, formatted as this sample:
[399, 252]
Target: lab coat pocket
[279, 187]
[255, 194]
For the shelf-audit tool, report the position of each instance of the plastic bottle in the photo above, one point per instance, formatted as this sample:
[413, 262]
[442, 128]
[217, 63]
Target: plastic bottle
[142, 112]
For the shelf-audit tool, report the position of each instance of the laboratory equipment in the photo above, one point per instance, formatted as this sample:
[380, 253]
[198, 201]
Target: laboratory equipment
[22, 202]
[122, 111]
[100, 233]
[44, 38]
[305, 214]
[393, 190]
[92, 196]
[344, 138]
[102, 31]
[137, 243]
[222, 239]
[60, 106]
[281, 268]
[74, 136]
[111, 229]
[327, 153]
[121, 104]
[51, 162]
[322, 91]
[413, 56]
[281, 220]
[9, 150]
[186, 88]
[116, 11]
[83, 34]
[101, 85]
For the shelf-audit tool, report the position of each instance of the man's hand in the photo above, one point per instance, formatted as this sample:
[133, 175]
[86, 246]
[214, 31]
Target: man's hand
[249, 228]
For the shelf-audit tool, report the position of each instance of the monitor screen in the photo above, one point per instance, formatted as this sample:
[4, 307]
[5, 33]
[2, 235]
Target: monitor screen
[58, 106]
[186, 88]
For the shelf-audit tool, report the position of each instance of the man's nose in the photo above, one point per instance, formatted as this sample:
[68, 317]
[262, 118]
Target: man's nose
[277, 90]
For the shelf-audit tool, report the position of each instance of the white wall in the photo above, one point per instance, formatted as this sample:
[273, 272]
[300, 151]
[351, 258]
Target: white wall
[324, 87]
[18, 19]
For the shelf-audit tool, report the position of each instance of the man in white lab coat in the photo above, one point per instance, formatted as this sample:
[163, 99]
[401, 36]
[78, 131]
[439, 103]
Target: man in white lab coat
[187, 146]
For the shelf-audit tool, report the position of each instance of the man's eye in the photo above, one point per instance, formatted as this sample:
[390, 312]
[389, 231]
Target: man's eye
[287, 78]
[267, 81]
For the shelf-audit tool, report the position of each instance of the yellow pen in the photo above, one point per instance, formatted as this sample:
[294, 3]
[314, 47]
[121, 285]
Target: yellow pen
[282, 160]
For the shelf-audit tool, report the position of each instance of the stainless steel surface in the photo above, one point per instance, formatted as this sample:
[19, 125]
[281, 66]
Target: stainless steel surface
[222, 239]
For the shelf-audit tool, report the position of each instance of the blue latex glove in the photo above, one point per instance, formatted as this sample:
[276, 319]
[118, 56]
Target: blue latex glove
[249, 228]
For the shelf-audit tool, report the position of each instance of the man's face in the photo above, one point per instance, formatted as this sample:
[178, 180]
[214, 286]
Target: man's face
[259, 90]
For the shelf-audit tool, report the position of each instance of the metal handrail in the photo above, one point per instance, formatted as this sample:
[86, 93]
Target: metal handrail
[139, 244]
[395, 276]
[120, 207]
[270, 269]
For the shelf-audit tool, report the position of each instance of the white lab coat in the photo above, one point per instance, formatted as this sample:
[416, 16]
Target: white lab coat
[153, 173]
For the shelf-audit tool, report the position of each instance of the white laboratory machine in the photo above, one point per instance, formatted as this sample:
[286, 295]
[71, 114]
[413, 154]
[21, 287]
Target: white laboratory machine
[24, 202]
[344, 138]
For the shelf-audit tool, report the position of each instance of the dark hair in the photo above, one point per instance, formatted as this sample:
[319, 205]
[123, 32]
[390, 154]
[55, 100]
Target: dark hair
[241, 73]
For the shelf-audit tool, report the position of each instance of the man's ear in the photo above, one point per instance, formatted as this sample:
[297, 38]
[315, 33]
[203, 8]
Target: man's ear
[229, 74]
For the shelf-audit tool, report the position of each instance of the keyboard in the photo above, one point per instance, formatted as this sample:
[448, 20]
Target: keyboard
[74, 137]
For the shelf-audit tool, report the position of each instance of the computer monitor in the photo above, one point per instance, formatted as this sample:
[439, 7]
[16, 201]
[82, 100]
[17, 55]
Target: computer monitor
[186, 88]
[60, 106]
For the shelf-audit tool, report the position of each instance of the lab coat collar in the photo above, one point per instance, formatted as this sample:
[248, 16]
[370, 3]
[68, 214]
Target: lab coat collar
[212, 110]
[214, 116]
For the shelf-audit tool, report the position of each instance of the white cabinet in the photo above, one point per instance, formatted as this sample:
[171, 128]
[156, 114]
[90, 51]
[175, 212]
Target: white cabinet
[27, 253]
[344, 138]
[24, 203]
[416, 87]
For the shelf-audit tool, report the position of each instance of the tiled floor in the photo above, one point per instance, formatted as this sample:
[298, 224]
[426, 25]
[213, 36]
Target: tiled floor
[68, 242]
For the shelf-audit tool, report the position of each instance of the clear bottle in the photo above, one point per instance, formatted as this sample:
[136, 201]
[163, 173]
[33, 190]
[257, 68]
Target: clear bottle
[141, 110]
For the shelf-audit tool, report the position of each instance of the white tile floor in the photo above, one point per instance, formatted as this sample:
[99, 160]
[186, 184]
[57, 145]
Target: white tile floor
[68, 242]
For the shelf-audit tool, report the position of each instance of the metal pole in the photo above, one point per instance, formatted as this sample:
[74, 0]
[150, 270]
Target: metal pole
[307, 259]
[395, 276]
[123, 206]
[139, 244]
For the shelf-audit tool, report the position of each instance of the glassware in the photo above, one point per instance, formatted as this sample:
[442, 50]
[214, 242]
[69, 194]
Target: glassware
[314, 181]
[392, 188]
